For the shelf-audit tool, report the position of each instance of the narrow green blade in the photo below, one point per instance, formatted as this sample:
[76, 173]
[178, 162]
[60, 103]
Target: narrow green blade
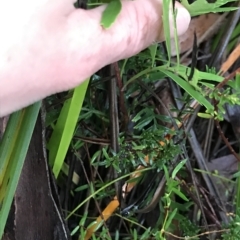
[13, 150]
[63, 131]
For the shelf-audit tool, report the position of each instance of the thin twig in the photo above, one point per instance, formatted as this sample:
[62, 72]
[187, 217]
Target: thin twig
[226, 79]
[226, 140]
[123, 109]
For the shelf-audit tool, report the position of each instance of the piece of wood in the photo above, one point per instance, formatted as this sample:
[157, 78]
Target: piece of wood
[35, 213]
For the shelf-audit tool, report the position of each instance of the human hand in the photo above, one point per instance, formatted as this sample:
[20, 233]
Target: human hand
[49, 46]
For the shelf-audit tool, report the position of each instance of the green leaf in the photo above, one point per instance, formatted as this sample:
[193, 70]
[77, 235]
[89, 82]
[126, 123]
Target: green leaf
[202, 6]
[180, 194]
[178, 167]
[13, 150]
[166, 173]
[170, 218]
[95, 156]
[205, 76]
[110, 13]
[105, 154]
[236, 175]
[237, 81]
[189, 89]
[166, 28]
[81, 188]
[143, 123]
[205, 115]
[63, 131]
[153, 52]
[74, 230]
[208, 85]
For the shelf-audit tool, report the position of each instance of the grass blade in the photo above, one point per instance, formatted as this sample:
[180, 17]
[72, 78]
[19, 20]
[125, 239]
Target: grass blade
[63, 131]
[13, 150]
[190, 90]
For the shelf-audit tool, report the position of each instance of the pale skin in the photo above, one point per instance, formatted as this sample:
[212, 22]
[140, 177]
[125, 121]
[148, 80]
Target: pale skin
[49, 47]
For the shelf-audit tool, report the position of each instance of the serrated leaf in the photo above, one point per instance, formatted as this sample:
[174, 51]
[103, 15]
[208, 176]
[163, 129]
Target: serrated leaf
[110, 13]
[202, 6]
